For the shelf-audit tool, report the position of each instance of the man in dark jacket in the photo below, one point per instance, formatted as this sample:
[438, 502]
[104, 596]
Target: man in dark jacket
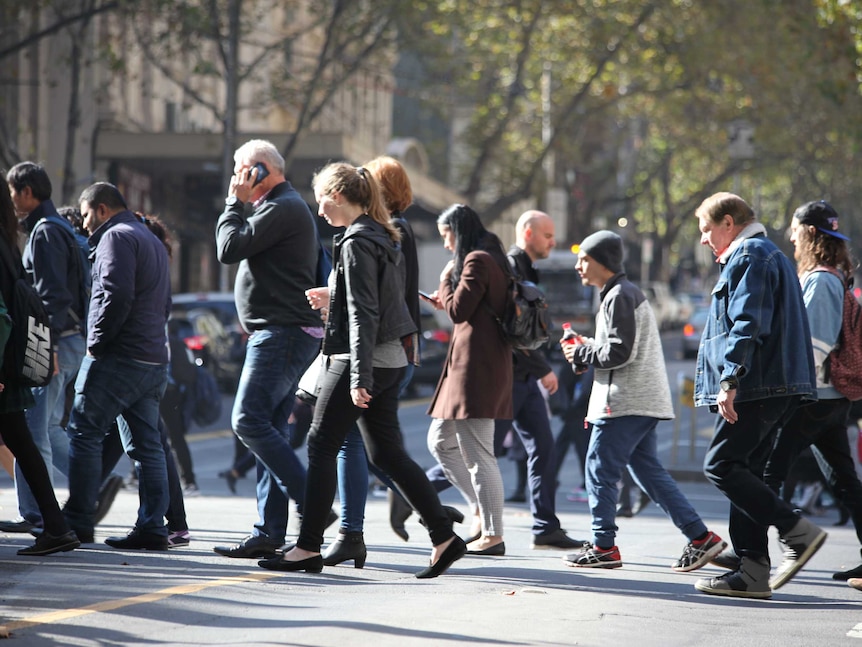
[56, 270]
[125, 371]
[534, 240]
[269, 230]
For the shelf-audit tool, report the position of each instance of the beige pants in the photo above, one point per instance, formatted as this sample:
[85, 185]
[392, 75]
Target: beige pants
[465, 450]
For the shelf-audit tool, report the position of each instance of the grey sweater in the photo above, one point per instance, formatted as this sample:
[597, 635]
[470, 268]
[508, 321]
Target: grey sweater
[626, 352]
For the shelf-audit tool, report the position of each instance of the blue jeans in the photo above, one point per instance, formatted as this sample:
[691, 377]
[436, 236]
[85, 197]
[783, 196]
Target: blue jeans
[534, 430]
[353, 471]
[275, 359]
[631, 440]
[735, 463]
[112, 388]
[44, 423]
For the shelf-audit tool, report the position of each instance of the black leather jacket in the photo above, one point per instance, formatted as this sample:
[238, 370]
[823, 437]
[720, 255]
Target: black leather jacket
[366, 305]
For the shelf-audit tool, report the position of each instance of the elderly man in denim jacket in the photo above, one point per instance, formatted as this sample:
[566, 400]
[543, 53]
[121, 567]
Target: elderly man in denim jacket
[754, 367]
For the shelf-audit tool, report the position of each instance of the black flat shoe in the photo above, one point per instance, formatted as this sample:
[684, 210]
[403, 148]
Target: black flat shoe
[454, 551]
[472, 538]
[279, 563]
[497, 550]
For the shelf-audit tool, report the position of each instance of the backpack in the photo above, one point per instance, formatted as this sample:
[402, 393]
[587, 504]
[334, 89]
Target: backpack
[80, 249]
[31, 338]
[845, 360]
[525, 324]
[206, 398]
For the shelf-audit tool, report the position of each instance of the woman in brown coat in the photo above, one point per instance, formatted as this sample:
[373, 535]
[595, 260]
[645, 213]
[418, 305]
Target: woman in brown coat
[475, 387]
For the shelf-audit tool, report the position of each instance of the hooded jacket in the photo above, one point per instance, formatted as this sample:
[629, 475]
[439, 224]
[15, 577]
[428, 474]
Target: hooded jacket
[366, 305]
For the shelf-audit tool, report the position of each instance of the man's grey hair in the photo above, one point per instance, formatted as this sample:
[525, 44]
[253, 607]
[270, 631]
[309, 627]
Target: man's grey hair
[260, 150]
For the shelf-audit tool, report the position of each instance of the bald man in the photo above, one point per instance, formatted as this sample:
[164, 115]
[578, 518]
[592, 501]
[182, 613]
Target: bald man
[534, 240]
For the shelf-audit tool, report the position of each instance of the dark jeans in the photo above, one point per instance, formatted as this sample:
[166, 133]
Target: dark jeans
[108, 388]
[823, 426]
[16, 435]
[333, 417]
[112, 451]
[534, 430]
[275, 359]
[735, 463]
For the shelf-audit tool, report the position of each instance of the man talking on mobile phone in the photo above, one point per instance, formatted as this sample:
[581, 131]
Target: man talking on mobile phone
[269, 230]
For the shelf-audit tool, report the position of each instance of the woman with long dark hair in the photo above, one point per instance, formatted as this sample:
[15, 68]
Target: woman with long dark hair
[367, 319]
[15, 398]
[476, 385]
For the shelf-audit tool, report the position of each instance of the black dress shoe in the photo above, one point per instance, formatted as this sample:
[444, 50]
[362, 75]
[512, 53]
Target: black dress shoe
[137, 540]
[347, 546]
[251, 547]
[556, 539]
[17, 525]
[516, 497]
[107, 494]
[47, 544]
[453, 552]
[497, 550]
[399, 512]
[84, 536]
[279, 563]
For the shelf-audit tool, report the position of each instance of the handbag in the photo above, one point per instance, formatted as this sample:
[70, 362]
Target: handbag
[309, 384]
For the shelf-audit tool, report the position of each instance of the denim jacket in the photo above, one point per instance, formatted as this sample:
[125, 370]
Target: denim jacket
[757, 330]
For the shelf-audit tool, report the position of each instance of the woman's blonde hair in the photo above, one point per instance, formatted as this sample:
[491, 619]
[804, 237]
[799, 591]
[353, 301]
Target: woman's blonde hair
[358, 186]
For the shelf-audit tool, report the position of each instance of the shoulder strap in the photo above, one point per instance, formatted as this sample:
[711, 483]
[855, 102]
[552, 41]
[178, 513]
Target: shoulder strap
[835, 272]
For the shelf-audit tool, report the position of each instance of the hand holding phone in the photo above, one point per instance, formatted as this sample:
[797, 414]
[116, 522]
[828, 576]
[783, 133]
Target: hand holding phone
[426, 296]
[262, 172]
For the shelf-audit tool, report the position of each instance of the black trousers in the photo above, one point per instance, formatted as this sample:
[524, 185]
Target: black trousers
[16, 435]
[334, 415]
[822, 426]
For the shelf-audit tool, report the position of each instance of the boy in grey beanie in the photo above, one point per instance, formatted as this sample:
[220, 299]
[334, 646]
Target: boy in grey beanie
[630, 395]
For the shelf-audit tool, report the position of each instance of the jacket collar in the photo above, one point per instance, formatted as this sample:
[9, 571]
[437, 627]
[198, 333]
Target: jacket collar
[121, 217]
[45, 208]
[750, 231]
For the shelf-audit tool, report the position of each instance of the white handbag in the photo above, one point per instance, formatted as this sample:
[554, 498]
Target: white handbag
[309, 384]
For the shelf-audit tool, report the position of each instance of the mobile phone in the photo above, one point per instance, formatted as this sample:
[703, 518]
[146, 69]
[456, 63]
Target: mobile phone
[426, 296]
[262, 172]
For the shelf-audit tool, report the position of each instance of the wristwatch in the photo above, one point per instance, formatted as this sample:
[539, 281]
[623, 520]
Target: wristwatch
[232, 201]
[729, 384]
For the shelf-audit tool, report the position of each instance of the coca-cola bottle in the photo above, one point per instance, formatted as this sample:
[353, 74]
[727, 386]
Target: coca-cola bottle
[569, 335]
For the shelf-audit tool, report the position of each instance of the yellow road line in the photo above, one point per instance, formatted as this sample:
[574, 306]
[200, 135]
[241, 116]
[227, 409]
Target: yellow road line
[111, 605]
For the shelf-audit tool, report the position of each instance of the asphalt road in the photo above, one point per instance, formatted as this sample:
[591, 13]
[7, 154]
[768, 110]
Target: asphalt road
[101, 596]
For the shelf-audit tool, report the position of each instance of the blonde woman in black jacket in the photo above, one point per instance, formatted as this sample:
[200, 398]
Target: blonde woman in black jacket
[366, 321]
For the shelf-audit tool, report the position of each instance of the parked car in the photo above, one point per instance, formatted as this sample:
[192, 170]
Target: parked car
[208, 323]
[691, 332]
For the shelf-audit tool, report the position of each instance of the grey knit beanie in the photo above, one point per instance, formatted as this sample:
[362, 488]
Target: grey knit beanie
[606, 248]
